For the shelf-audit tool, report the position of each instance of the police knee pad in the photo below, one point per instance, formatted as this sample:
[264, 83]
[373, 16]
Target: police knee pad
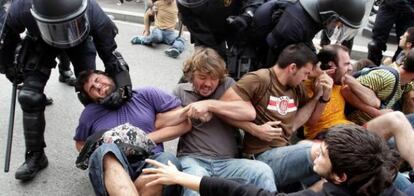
[31, 101]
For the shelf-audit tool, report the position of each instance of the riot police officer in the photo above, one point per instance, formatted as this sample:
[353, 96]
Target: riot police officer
[76, 27]
[266, 28]
[390, 12]
[299, 21]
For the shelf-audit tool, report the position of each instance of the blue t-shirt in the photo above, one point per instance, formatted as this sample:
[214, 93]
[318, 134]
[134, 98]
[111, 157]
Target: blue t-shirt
[140, 111]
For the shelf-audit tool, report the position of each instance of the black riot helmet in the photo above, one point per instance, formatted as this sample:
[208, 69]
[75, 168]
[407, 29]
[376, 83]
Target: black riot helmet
[62, 23]
[348, 12]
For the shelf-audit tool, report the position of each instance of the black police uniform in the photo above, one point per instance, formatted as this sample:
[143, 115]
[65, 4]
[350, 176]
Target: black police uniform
[39, 59]
[207, 23]
[398, 12]
[295, 25]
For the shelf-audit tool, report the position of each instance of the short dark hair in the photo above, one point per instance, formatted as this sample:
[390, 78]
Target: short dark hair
[300, 54]
[410, 37]
[370, 165]
[330, 53]
[408, 64]
[83, 78]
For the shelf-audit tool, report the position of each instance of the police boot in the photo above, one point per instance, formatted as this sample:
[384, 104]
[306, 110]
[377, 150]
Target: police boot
[35, 159]
[67, 77]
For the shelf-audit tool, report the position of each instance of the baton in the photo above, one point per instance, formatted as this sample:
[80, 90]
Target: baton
[11, 125]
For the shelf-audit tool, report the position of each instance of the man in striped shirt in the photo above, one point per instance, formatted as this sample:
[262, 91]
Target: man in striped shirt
[382, 82]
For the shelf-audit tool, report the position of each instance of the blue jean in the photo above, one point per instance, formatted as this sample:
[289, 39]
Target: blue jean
[166, 36]
[401, 182]
[96, 174]
[241, 170]
[290, 164]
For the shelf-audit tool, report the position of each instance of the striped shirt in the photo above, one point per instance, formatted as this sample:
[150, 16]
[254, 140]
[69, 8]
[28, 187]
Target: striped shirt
[382, 82]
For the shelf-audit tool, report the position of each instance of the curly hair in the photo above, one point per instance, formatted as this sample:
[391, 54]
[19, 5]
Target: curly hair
[205, 60]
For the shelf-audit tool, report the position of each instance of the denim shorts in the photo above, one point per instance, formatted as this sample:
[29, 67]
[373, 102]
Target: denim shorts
[134, 169]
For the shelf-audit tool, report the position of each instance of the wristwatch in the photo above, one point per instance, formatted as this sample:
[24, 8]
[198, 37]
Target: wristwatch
[321, 100]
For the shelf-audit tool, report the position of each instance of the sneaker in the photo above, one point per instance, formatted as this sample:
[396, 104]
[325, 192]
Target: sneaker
[172, 52]
[35, 161]
[137, 40]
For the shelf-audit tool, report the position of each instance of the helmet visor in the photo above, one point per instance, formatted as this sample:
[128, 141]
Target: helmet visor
[64, 34]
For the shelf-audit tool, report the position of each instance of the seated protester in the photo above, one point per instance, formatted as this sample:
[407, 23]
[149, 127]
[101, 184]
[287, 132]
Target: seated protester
[110, 171]
[406, 43]
[165, 13]
[352, 160]
[387, 85]
[335, 61]
[211, 149]
[276, 96]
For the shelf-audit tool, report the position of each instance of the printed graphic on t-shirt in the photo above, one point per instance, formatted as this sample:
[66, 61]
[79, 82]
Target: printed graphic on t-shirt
[283, 104]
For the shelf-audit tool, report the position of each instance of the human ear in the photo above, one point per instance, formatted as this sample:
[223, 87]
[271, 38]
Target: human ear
[339, 178]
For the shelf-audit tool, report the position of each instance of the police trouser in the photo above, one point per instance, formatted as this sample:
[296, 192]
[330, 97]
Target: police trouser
[64, 62]
[393, 12]
[37, 61]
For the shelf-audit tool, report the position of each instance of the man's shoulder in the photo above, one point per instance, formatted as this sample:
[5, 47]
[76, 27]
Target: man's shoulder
[147, 90]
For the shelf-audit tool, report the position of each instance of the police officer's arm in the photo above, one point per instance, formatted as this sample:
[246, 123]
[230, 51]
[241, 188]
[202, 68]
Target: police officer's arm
[103, 31]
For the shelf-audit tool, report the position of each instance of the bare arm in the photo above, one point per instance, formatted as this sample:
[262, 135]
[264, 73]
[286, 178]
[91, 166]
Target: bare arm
[266, 132]
[169, 133]
[365, 94]
[229, 106]
[395, 124]
[171, 118]
[304, 113]
[324, 84]
[355, 101]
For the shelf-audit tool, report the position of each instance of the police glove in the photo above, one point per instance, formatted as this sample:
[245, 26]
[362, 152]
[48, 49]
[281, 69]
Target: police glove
[14, 75]
[118, 97]
[239, 23]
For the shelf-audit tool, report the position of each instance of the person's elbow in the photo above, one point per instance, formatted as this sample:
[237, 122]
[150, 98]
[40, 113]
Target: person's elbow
[250, 112]
[79, 145]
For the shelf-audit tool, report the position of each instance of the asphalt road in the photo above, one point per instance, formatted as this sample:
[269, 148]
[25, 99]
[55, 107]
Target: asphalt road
[149, 66]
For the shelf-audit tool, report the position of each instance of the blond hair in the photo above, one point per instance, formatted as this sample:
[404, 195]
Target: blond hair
[207, 61]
